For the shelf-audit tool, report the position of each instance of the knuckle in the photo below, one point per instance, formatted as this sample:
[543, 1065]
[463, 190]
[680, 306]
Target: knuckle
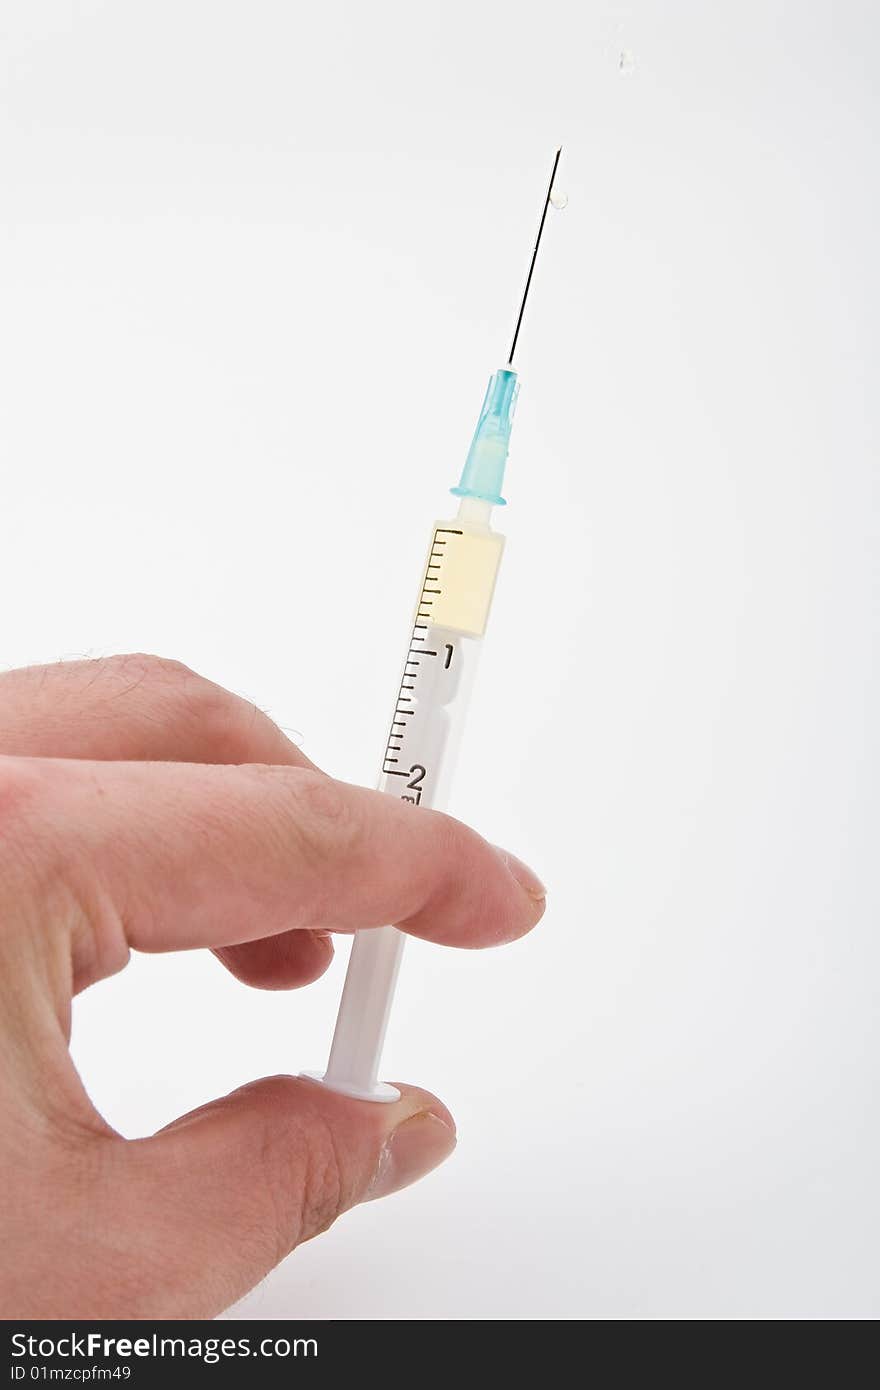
[217, 718]
[302, 1179]
[322, 1190]
[154, 681]
[146, 666]
[223, 723]
[235, 731]
[49, 876]
[222, 727]
[24, 784]
[322, 797]
[324, 815]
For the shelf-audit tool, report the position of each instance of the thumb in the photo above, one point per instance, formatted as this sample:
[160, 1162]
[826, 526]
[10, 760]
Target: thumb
[224, 1193]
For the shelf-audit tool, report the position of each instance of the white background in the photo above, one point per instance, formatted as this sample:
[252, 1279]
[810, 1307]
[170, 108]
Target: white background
[258, 261]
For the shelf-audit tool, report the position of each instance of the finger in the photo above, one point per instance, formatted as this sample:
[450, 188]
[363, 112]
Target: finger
[279, 962]
[184, 1223]
[283, 1159]
[134, 707]
[147, 708]
[185, 856]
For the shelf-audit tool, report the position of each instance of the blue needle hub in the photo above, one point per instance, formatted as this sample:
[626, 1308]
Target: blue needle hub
[483, 472]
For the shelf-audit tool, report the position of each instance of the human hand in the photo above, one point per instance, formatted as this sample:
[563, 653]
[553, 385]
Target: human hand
[141, 806]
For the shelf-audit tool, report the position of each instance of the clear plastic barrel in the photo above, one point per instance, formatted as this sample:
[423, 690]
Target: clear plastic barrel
[419, 762]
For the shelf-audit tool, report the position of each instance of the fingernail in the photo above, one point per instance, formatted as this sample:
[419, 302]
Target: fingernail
[412, 1150]
[525, 877]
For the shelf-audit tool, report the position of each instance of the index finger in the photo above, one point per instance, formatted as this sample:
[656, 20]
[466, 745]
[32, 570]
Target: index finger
[191, 855]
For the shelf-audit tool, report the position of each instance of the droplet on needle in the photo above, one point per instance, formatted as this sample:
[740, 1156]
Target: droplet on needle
[558, 200]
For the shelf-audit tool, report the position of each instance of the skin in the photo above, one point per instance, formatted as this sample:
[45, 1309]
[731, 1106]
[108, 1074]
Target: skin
[143, 807]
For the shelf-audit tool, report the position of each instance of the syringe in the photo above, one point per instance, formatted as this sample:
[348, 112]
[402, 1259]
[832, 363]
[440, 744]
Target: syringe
[458, 582]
